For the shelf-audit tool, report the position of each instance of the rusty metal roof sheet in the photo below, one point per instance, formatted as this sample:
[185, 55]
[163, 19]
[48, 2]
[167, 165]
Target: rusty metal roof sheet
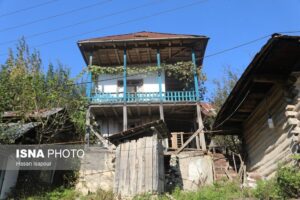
[142, 35]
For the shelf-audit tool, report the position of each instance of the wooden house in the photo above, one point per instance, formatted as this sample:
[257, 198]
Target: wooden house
[263, 107]
[136, 79]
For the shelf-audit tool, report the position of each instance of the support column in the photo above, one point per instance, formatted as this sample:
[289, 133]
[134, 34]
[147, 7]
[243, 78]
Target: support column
[199, 117]
[88, 92]
[195, 76]
[161, 109]
[201, 126]
[125, 91]
[87, 127]
[89, 85]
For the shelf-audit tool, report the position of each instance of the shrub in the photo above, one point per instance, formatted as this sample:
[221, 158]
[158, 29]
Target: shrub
[288, 181]
[285, 185]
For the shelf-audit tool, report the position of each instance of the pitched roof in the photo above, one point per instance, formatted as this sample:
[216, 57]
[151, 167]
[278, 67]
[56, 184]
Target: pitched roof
[42, 113]
[277, 59]
[12, 131]
[142, 48]
[142, 35]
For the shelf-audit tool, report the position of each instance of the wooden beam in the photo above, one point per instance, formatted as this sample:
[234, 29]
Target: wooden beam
[129, 111]
[125, 124]
[188, 141]
[115, 112]
[245, 110]
[170, 50]
[138, 55]
[108, 58]
[128, 56]
[149, 55]
[149, 111]
[117, 56]
[201, 126]
[88, 125]
[103, 140]
[161, 112]
[267, 78]
[138, 111]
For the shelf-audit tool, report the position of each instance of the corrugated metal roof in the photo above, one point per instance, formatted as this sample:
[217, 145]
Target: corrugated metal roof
[143, 35]
[12, 131]
[43, 113]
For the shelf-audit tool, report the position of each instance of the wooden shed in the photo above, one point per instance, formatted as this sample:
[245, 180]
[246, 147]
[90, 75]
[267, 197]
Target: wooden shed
[264, 106]
[140, 159]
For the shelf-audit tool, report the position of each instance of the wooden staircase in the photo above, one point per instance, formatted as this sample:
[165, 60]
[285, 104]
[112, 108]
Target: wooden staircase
[223, 169]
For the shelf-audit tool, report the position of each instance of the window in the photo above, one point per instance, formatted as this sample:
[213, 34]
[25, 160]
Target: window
[133, 86]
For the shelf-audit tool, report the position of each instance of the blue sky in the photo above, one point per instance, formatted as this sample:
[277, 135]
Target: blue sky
[226, 22]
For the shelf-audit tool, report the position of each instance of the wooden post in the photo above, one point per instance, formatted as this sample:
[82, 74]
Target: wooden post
[201, 126]
[161, 109]
[89, 85]
[199, 117]
[88, 127]
[195, 75]
[181, 138]
[124, 117]
[174, 141]
[161, 112]
[125, 92]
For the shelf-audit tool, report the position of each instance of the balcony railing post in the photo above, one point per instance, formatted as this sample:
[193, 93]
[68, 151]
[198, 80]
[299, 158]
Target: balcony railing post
[161, 111]
[125, 91]
[159, 74]
[124, 76]
[195, 76]
[89, 85]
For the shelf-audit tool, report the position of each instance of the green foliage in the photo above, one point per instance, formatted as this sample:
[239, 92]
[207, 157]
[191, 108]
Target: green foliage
[288, 181]
[59, 193]
[285, 185]
[181, 71]
[223, 87]
[71, 194]
[99, 194]
[24, 87]
[222, 190]
[266, 190]
[219, 190]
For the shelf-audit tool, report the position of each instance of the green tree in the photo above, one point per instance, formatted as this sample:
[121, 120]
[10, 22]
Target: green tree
[24, 87]
[223, 88]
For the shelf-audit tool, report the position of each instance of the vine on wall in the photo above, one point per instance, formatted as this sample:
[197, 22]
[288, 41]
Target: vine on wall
[181, 71]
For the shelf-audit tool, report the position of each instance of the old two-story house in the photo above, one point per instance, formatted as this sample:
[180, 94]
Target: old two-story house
[144, 92]
[141, 77]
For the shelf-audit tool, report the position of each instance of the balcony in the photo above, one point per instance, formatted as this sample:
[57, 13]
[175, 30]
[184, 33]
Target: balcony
[144, 97]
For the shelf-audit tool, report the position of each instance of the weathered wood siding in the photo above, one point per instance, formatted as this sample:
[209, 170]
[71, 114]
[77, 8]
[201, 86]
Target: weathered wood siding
[266, 147]
[109, 126]
[139, 167]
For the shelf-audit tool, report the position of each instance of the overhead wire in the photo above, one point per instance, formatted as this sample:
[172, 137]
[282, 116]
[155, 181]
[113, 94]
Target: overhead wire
[85, 21]
[54, 16]
[27, 8]
[118, 24]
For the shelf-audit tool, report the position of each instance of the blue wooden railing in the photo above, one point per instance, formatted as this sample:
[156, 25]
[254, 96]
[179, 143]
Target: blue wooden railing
[169, 96]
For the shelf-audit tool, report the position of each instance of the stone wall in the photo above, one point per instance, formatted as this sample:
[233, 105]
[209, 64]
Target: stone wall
[97, 170]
